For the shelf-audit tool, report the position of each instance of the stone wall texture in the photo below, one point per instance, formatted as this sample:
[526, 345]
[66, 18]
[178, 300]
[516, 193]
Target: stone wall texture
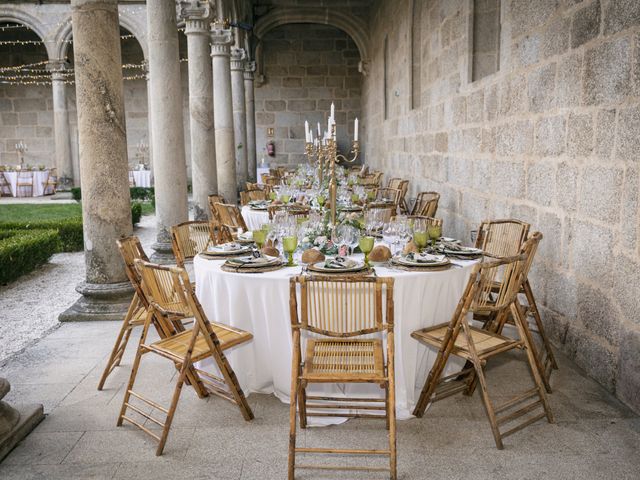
[306, 68]
[552, 138]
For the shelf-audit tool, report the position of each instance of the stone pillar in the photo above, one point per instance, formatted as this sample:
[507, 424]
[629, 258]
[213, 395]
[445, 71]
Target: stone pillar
[106, 205]
[221, 39]
[167, 134]
[15, 424]
[239, 115]
[251, 119]
[204, 176]
[61, 132]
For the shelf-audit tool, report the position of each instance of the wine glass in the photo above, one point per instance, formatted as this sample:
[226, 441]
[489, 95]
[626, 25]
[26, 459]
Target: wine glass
[259, 236]
[289, 245]
[337, 236]
[435, 232]
[420, 236]
[366, 245]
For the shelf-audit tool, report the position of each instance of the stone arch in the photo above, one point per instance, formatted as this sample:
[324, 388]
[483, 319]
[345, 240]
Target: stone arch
[15, 15]
[352, 26]
[65, 31]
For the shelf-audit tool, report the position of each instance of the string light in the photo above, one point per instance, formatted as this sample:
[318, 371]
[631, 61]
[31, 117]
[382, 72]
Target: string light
[25, 65]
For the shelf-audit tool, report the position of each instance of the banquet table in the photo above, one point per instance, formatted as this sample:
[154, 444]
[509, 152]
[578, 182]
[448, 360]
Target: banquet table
[259, 172]
[39, 179]
[259, 303]
[254, 218]
[142, 178]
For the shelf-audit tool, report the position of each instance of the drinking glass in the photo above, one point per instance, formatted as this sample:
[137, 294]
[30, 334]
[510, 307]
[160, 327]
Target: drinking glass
[435, 232]
[366, 245]
[289, 245]
[420, 235]
[321, 199]
[260, 236]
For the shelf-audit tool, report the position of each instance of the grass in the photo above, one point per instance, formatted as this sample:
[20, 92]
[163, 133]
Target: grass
[21, 212]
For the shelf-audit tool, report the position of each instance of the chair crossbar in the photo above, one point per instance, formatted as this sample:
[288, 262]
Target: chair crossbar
[461, 373]
[519, 413]
[342, 399]
[148, 402]
[514, 401]
[524, 424]
[344, 451]
[145, 415]
[346, 415]
[363, 407]
[350, 467]
[450, 389]
[141, 427]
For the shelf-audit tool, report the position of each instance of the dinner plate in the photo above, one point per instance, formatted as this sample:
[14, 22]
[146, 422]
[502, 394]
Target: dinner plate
[320, 267]
[449, 240]
[218, 251]
[350, 208]
[259, 208]
[244, 263]
[414, 263]
[464, 252]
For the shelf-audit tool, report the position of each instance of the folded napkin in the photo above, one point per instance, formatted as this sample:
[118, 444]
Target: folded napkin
[454, 247]
[225, 247]
[340, 262]
[425, 258]
[250, 260]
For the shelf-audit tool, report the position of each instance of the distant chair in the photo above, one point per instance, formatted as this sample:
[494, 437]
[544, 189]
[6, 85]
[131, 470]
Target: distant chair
[298, 211]
[188, 239]
[252, 195]
[50, 185]
[132, 179]
[25, 182]
[230, 218]
[5, 186]
[426, 204]
[392, 195]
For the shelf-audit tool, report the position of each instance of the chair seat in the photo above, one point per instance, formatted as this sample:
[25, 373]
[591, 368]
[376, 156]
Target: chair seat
[175, 347]
[339, 360]
[487, 344]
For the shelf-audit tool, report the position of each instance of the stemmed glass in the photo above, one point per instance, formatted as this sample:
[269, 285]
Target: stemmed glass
[338, 237]
[260, 237]
[366, 245]
[390, 236]
[289, 244]
[435, 232]
[420, 236]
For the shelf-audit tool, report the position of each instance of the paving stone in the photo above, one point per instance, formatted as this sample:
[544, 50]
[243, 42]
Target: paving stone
[43, 448]
[103, 471]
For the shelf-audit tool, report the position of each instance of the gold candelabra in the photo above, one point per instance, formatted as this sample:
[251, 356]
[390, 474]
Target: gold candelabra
[327, 157]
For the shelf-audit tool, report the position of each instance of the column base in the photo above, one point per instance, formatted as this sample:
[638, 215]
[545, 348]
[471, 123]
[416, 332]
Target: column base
[15, 423]
[163, 254]
[108, 301]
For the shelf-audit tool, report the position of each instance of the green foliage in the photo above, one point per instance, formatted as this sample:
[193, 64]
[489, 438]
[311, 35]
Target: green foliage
[21, 251]
[27, 212]
[136, 212]
[69, 231]
[75, 193]
[137, 193]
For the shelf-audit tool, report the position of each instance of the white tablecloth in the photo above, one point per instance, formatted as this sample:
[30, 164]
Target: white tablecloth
[259, 303]
[39, 178]
[260, 171]
[254, 218]
[142, 178]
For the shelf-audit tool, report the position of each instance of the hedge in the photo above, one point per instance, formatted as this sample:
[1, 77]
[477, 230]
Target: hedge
[69, 230]
[21, 251]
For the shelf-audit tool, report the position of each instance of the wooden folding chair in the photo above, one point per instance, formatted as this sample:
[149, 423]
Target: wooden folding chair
[25, 181]
[252, 195]
[190, 238]
[131, 250]
[502, 238]
[386, 212]
[168, 290]
[386, 194]
[334, 312]
[430, 221]
[5, 186]
[50, 185]
[426, 204]
[296, 210]
[230, 217]
[476, 346]
[394, 183]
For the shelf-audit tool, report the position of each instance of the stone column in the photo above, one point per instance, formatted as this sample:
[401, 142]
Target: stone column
[167, 134]
[239, 115]
[61, 132]
[106, 206]
[15, 424]
[221, 39]
[249, 99]
[204, 176]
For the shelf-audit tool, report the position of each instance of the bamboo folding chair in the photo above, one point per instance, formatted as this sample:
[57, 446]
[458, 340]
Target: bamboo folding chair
[404, 188]
[188, 239]
[131, 250]
[50, 185]
[371, 179]
[230, 218]
[298, 211]
[394, 182]
[426, 204]
[430, 221]
[476, 346]
[250, 195]
[25, 181]
[386, 194]
[5, 186]
[505, 237]
[385, 211]
[168, 290]
[333, 312]
[213, 199]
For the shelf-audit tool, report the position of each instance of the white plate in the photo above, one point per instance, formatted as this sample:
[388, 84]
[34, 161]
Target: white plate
[412, 263]
[319, 267]
[270, 261]
[219, 251]
[470, 251]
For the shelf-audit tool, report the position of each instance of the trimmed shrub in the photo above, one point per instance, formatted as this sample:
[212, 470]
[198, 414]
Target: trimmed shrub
[75, 193]
[69, 231]
[136, 212]
[21, 251]
[136, 193]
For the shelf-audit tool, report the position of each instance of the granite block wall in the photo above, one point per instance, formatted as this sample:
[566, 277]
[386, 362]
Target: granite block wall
[552, 138]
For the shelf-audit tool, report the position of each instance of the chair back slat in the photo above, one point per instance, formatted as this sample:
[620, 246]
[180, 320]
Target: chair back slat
[252, 195]
[426, 204]
[343, 306]
[131, 250]
[189, 239]
[159, 285]
[502, 238]
[230, 216]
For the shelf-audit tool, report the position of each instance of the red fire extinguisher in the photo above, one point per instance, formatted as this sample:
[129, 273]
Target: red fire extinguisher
[271, 148]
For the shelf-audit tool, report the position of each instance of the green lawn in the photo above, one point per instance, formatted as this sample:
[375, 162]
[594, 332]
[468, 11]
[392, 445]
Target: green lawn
[29, 211]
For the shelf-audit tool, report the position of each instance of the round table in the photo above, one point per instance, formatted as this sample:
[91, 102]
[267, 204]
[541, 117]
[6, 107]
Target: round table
[254, 218]
[259, 303]
[39, 179]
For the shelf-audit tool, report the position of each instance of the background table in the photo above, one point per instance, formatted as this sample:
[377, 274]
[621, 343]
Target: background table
[39, 178]
[259, 303]
[142, 178]
[260, 171]
[254, 218]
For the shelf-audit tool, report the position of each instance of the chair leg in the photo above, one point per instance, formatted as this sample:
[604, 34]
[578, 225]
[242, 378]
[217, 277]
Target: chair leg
[234, 386]
[528, 291]
[391, 419]
[173, 406]
[302, 404]
[431, 382]
[291, 462]
[488, 406]
[525, 334]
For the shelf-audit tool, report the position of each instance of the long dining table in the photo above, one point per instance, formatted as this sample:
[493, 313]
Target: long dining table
[259, 303]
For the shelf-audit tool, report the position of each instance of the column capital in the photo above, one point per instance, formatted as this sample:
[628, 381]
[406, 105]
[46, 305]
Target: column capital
[221, 40]
[197, 16]
[249, 68]
[238, 56]
[57, 69]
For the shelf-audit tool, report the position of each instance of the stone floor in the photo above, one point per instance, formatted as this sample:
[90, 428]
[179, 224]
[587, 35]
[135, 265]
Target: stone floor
[595, 437]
